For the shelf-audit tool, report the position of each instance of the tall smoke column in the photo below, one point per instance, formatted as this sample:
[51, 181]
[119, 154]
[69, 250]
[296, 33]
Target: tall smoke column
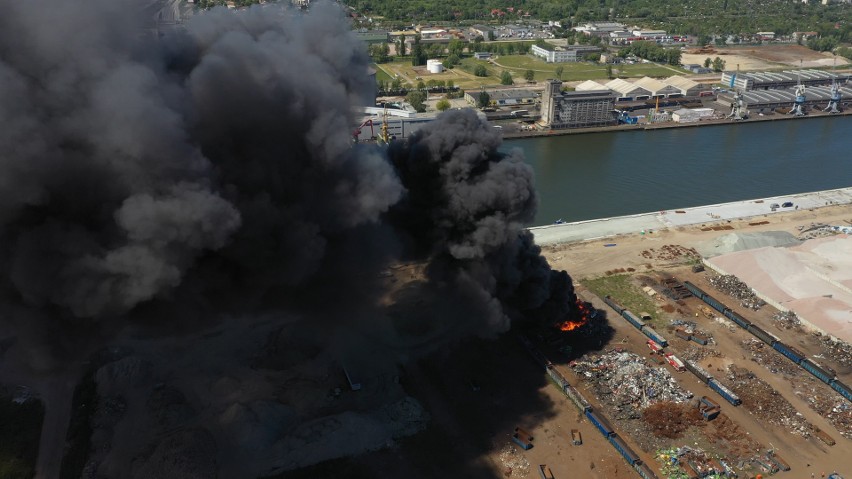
[158, 179]
[465, 210]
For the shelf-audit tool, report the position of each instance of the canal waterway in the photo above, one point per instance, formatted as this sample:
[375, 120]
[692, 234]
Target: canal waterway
[589, 176]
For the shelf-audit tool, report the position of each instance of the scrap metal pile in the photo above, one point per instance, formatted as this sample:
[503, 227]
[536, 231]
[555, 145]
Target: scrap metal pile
[699, 353]
[682, 462]
[839, 351]
[787, 320]
[514, 463]
[735, 288]
[767, 357]
[691, 327]
[835, 409]
[627, 382]
[766, 403]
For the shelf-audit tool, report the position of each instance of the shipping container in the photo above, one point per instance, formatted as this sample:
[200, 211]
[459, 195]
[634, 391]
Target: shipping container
[520, 430]
[649, 331]
[842, 389]
[545, 472]
[633, 319]
[599, 422]
[675, 362]
[824, 437]
[699, 338]
[710, 413]
[817, 371]
[779, 461]
[613, 304]
[522, 441]
[695, 290]
[787, 351]
[761, 334]
[623, 449]
[709, 402]
[726, 393]
[698, 371]
[716, 304]
[682, 334]
[653, 346]
[644, 471]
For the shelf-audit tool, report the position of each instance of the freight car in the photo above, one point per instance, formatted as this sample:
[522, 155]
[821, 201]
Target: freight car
[623, 449]
[726, 393]
[649, 331]
[613, 304]
[762, 335]
[816, 370]
[600, 423]
[741, 321]
[843, 389]
[644, 471]
[633, 319]
[792, 353]
[698, 371]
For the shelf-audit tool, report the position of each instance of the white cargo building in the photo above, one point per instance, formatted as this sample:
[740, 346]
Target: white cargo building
[691, 115]
[627, 91]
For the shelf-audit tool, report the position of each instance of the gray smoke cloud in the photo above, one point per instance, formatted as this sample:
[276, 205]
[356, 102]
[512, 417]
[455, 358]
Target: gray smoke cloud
[166, 186]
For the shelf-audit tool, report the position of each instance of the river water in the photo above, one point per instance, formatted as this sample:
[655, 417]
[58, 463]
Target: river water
[588, 176]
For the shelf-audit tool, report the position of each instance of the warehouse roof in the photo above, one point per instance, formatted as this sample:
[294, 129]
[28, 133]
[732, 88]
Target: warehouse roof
[625, 88]
[590, 85]
[681, 82]
[654, 86]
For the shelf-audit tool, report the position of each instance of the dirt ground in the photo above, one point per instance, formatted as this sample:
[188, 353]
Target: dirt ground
[766, 57]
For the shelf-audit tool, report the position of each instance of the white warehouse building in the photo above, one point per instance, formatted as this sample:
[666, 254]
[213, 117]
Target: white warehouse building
[562, 54]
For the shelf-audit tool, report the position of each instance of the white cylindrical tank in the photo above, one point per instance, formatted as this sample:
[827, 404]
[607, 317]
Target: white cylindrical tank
[434, 66]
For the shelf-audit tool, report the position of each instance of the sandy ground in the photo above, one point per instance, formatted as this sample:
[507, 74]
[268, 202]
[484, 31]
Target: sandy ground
[767, 57]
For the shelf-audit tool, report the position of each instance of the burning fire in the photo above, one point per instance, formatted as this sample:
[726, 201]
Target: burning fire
[585, 315]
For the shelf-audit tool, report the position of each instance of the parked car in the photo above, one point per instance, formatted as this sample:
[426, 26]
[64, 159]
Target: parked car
[787, 204]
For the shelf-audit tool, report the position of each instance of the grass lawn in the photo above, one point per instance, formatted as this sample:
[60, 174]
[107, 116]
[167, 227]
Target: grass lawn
[381, 74]
[624, 291]
[20, 430]
[518, 64]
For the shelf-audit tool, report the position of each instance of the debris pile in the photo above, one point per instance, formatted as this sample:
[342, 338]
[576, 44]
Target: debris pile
[698, 353]
[627, 382]
[835, 409]
[671, 252]
[678, 462]
[839, 351]
[766, 403]
[691, 328]
[767, 357]
[670, 420]
[738, 444]
[787, 320]
[735, 288]
[513, 462]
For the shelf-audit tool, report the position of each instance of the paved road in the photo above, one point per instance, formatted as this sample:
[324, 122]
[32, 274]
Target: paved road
[609, 227]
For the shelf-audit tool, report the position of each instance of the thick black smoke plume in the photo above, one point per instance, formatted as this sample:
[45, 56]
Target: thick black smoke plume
[153, 186]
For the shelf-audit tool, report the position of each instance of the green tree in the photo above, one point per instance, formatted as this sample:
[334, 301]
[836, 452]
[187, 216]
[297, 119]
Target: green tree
[718, 64]
[707, 62]
[400, 46]
[456, 47]
[720, 41]
[483, 100]
[417, 100]
[396, 83]
[451, 61]
[480, 71]
[529, 75]
[450, 84]
[418, 56]
[559, 71]
[443, 105]
[506, 78]
[421, 85]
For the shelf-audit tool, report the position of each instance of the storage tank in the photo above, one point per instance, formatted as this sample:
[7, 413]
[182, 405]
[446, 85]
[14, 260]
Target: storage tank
[434, 66]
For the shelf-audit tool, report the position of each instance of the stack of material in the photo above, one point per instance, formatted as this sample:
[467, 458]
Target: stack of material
[767, 357]
[735, 288]
[627, 382]
[839, 351]
[787, 320]
[766, 403]
[697, 354]
[514, 463]
[832, 407]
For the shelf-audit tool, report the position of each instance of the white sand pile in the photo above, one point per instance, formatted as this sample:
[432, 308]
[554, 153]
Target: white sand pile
[813, 279]
[734, 242]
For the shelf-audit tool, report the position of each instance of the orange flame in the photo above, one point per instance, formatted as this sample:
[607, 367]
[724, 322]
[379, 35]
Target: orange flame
[585, 313]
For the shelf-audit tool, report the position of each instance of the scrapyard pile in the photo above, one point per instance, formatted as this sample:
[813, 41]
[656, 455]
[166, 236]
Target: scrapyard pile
[787, 320]
[678, 462]
[839, 351]
[835, 409]
[691, 328]
[735, 288]
[767, 357]
[766, 403]
[627, 382]
[698, 353]
[513, 462]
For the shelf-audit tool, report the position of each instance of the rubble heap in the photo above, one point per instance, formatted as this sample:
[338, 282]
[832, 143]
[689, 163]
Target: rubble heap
[691, 327]
[514, 464]
[835, 409]
[670, 420]
[735, 288]
[767, 357]
[766, 403]
[699, 353]
[738, 444]
[627, 382]
[839, 351]
[677, 459]
[787, 320]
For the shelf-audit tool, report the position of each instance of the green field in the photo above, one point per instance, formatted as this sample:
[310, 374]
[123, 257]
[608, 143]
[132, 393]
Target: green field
[624, 290]
[20, 429]
[381, 75]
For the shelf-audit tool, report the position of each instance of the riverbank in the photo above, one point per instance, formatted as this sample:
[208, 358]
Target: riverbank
[704, 216]
[663, 126]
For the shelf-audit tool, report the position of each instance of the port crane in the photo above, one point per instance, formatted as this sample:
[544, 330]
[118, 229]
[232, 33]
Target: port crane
[738, 105]
[834, 101]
